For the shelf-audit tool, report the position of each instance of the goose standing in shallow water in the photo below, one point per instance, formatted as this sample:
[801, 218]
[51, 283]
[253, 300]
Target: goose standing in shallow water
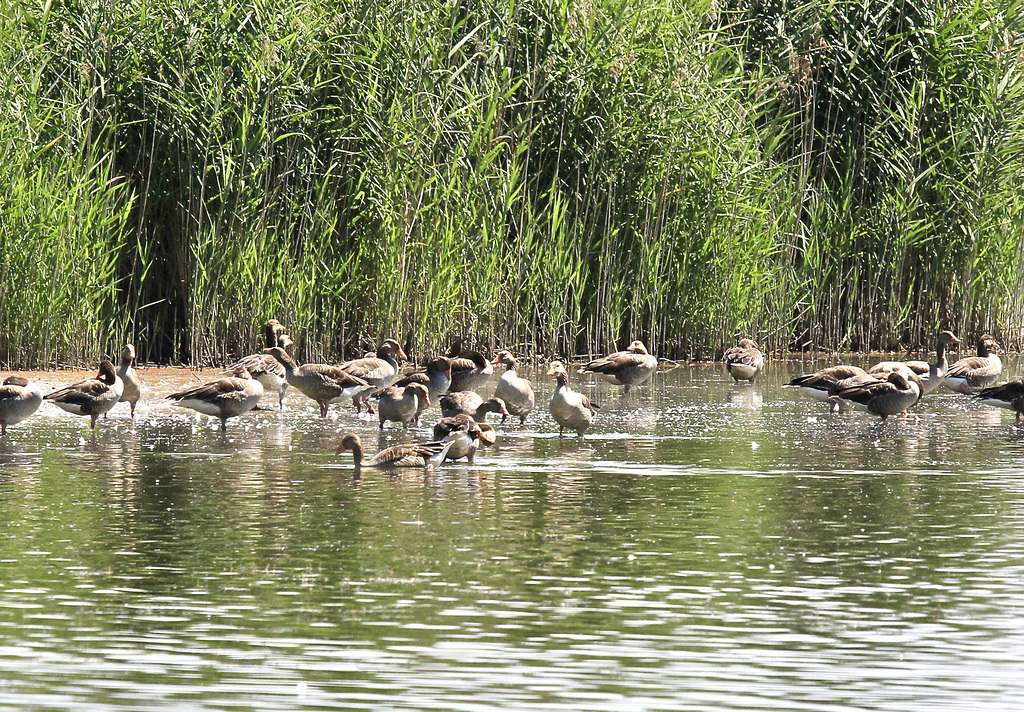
[436, 376]
[379, 371]
[132, 391]
[972, 374]
[19, 398]
[471, 435]
[410, 455]
[323, 383]
[402, 404]
[515, 391]
[569, 409]
[625, 368]
[889, 397]
[820, 384]
[473, 405]
[1009, 395]
[264, 367]
[224, 398]
[93, 396]
[931, 375]
[744, 362]
[470, 371]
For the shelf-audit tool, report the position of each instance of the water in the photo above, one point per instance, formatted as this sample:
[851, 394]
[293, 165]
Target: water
[704, 547]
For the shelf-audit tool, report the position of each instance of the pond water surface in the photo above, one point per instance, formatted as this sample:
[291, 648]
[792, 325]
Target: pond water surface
[705, 547]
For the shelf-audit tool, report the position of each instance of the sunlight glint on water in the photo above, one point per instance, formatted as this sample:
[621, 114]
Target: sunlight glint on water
[705, 546]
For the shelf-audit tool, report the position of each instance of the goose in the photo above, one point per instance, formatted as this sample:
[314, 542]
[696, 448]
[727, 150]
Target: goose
[930, 374]
[625, 368]
[263, 366]
[93, 396]
[470, 370]
[744, 362]
[132, 391]
[323, 383]
[224, 398]
[820, 384]
[515, 391]
[379, 371]
[569, 409]
[19, 398]
[889, 397]
[472, 435]
[1009, 395]
[470, 403]
[409, 455]
[402, 404]
[974, 373]
[436, 376]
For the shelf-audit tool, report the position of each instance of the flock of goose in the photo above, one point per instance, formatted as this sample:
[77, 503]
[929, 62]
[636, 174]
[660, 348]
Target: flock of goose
[452, 381]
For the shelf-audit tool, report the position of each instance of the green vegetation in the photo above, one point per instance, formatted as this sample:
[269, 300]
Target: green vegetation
[552, 175]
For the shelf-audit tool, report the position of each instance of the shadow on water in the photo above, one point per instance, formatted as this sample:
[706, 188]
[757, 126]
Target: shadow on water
[705, 545]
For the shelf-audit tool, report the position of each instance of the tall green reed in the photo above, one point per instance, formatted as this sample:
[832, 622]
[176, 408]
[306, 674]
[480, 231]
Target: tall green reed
[555, 175]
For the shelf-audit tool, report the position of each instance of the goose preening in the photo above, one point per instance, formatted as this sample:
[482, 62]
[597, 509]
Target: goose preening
[409, 455]
[402, 404]
[223, 398]
[379, 371]
[569, 409]
[323, 383]
[891, 396]
[470, 435]
[744, 361]
[514, 390]
[820, 384]
[93, 396]
[19, 398]
[972, 374]
[625, 368]
[470, 370]
[1009, 395]
[263, 366]
[132, 390]
[472, 404]
[931, 375]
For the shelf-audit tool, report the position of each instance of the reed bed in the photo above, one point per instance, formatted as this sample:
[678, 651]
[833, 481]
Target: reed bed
[558, 176]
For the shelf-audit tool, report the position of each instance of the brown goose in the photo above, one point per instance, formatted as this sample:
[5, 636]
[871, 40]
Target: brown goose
[930, 374]
[744, 362]
[470, 403]
[625, 368]
[132, 385]
[515, 391]
[889, 397]
[379, 371]
[410, 455]
[19, 399]
[820, 384]
[1009, 395]
[323, 383]
[93, 396]
[402, 404]
[436, 376]
[569, 409]
[470, 370]
[224, 398]
[973, 374]
[471, 435]
[263, 366]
